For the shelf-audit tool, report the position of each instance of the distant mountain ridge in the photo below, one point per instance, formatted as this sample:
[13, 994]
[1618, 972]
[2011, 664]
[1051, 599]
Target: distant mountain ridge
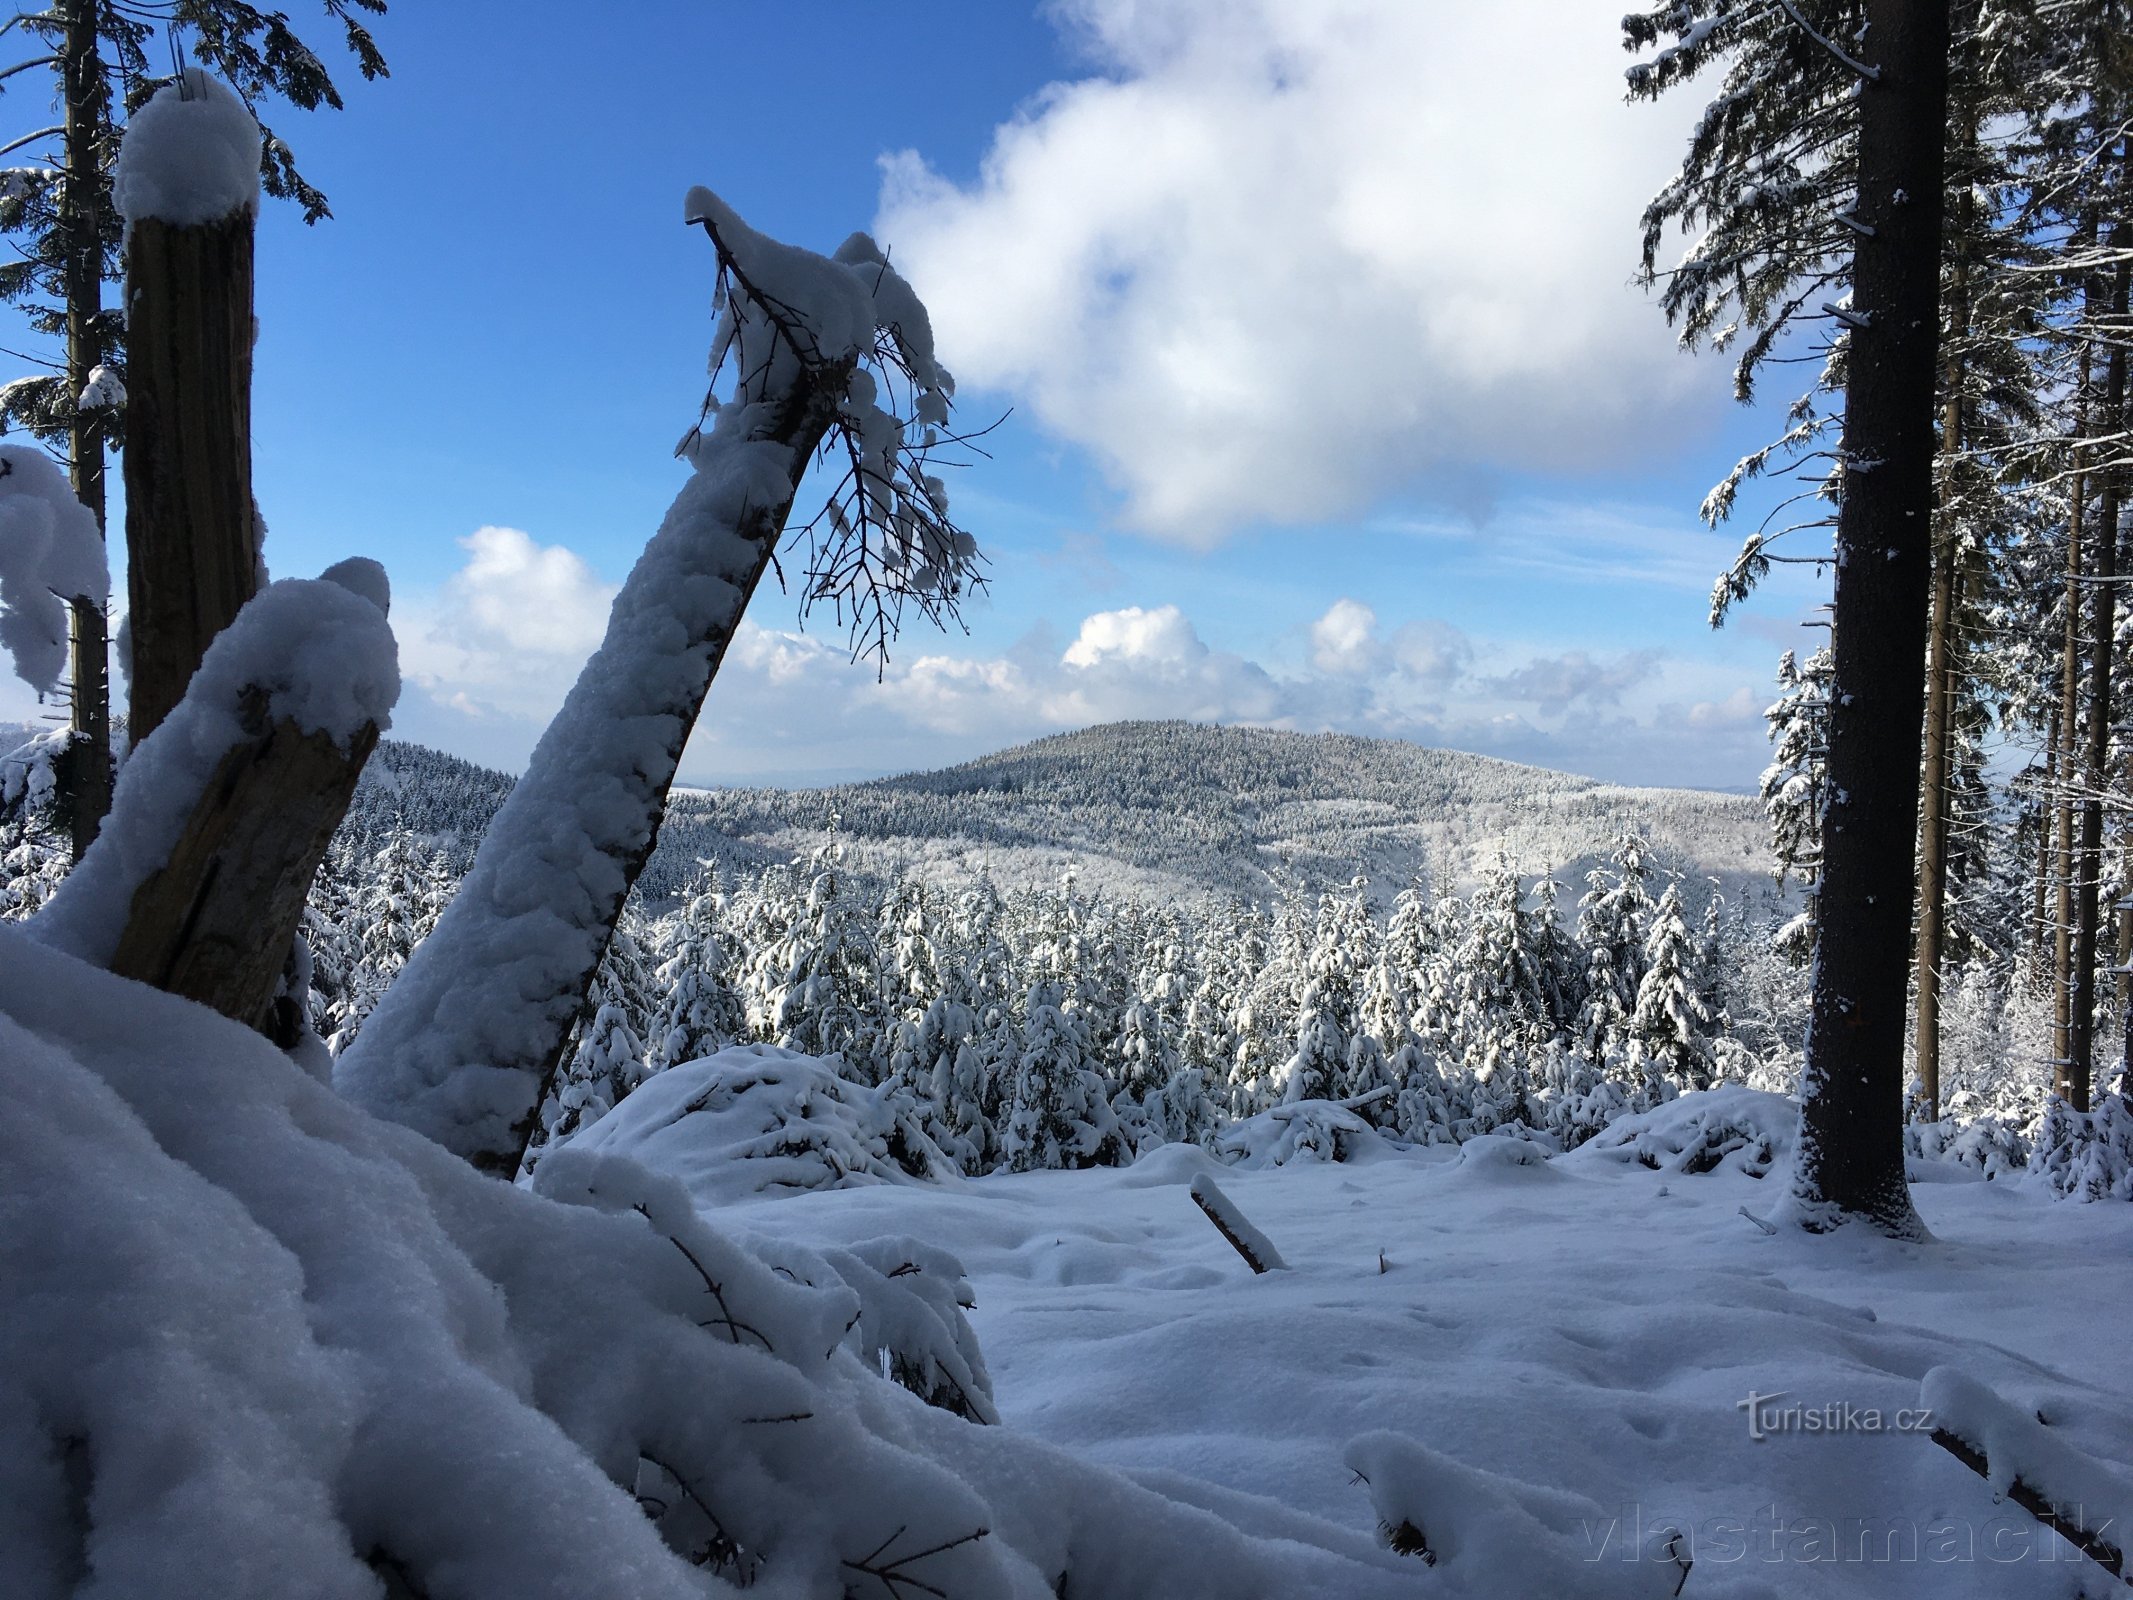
[1169, 808]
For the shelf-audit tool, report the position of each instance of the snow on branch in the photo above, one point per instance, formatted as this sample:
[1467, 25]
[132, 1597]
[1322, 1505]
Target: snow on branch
[807, 347]
[883, 538]
[50, 553]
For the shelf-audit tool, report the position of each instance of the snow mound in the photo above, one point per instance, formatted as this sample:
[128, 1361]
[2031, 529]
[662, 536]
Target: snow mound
[1500, 1153]
[1731, 1129]
[191, 155]
[255, 1340]
[755, 1119]
[1168, 1164]
[1489, 1535]
[1303, 1130]
[50, 552]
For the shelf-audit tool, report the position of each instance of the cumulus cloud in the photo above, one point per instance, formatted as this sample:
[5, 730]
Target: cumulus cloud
[1277, 256]
[506, 633]
[1344, 642]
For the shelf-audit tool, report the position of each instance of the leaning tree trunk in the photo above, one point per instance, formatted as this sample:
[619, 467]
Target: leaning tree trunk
[1850, 1163]
[468, 1039]
[2076, 1072]
[192, 535]
[86, 776]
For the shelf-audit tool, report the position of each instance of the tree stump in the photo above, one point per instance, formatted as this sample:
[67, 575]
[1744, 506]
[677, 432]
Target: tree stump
[192, 532]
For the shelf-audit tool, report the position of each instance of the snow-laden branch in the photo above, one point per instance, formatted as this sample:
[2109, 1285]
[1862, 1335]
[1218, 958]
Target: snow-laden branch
[463, 1044]
[50, 553]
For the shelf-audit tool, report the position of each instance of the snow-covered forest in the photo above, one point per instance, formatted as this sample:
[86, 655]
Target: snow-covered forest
[1163, 1159]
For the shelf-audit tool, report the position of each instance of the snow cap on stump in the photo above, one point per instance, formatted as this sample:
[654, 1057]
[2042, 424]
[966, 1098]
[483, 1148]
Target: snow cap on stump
[191, 155]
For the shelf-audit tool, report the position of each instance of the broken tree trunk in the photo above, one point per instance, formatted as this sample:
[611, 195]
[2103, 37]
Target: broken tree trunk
[197, 882]
[216, 922]
[192, 534]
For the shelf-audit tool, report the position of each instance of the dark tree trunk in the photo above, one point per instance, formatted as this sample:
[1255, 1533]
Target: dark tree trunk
[2077, 1069]
[1851, 1148]
[1933, 785]
[2065, 732]
[2041, 880]
[86, 777]
[192, 535]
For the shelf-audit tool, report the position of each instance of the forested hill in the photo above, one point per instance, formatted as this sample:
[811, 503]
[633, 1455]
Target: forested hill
[1142, 808]
[1177, 807]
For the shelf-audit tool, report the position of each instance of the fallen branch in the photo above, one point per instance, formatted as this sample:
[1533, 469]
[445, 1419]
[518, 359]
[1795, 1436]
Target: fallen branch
[2097, 1549]
[1258, 1251]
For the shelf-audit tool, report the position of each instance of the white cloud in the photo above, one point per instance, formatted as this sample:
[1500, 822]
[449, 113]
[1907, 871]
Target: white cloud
[1283, 255]
[491, 652]
[1344, 642]
[506, 633]
[1158, 637]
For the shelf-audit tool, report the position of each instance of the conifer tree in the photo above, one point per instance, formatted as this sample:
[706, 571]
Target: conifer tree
[66, 232]
[1672, 1019]
[1794, 784]
[699, 1013]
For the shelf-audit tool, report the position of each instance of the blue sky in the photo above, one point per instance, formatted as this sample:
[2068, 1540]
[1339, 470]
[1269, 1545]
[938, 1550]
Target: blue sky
[1332, 402]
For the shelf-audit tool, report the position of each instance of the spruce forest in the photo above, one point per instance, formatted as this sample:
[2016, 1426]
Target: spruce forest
[1227, 1144]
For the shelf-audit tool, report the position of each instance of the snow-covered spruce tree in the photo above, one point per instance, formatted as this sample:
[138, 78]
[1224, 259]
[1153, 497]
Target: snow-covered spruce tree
[1329, 1018]
[1818, 169]
[834, 352]
[1673, 1020]
[1150, 1036]
[698, 1013]
[1056, 1112]
[59, 215]
[1793, 786]
[607, 1064]
[1614, 920]
[828, 999]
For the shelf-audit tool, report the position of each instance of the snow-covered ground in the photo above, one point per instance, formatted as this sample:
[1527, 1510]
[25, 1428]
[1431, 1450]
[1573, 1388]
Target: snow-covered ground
[1585, 1323]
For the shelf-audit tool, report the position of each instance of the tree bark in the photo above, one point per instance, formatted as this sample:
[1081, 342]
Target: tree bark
[2077, 1070]
[2065, 732]
[215, 923]
[192, 534]
[1933, 783]
[86, 775]
[1941, 670]
[1850, 1163]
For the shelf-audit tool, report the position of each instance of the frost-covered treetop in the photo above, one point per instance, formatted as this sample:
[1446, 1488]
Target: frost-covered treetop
[50, 553]
[846, 328]
[191, 155]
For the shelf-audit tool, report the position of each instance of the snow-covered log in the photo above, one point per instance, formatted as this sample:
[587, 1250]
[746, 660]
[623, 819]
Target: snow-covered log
[187, 185]
[1256, 1248]
[2022, 1460]
[197, 881]
[463, 1045]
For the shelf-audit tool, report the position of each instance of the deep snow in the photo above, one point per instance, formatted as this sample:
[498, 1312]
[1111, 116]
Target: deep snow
[1584, 1324]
